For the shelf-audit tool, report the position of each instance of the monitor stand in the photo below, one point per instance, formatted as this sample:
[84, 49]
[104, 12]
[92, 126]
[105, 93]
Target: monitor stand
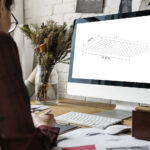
[122, 111]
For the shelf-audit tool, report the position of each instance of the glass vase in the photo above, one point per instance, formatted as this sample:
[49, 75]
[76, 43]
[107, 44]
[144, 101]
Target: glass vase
[46, 86]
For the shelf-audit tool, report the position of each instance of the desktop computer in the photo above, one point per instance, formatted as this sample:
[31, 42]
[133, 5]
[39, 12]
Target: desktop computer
[110, 58]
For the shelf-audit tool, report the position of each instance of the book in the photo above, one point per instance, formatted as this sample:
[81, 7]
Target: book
[88, 147]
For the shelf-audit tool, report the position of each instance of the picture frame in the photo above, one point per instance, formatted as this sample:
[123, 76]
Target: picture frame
[145, 5]
[90, 6]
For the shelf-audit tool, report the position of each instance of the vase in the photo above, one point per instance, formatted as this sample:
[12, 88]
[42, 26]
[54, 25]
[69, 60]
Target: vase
[46, 86]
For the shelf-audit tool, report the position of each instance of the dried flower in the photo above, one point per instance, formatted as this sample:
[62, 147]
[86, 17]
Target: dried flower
[52, 42]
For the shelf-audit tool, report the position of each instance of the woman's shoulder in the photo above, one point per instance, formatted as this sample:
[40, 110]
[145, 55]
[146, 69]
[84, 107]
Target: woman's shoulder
[6, 40]
[9, 52]
[5, 36]
[7, 44]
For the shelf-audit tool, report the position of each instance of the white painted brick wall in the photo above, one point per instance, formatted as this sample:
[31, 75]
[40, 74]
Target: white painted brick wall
[37, 11]
[64, 8]
[51, 2]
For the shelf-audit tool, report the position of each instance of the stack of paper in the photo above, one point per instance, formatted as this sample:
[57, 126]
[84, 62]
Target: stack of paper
[38, 108]
[101, 141]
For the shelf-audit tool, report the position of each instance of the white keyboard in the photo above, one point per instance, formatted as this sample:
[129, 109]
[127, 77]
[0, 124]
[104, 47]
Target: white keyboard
[88, 120]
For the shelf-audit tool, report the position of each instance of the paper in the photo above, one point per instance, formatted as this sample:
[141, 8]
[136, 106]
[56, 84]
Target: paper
[102, 141]
[130, 148]
[37, 108]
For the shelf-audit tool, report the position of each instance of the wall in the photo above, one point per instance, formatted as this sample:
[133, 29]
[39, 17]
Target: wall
[18, 36]
[37, 11]
[25, 53]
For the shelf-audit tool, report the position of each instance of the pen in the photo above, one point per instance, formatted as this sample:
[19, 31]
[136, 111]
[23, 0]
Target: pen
[62, 139]
[92, 134]
[45, 113]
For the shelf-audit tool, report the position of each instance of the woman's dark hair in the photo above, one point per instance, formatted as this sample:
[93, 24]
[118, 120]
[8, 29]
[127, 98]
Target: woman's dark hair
[9, 3]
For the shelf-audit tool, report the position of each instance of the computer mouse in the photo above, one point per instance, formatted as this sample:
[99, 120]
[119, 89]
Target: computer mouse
[116, 129]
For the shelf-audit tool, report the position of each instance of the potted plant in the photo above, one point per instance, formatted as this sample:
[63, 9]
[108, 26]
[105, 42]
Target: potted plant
[52, 44]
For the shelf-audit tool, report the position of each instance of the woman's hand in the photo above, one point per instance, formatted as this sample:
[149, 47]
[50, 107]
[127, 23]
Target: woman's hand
[43, 119]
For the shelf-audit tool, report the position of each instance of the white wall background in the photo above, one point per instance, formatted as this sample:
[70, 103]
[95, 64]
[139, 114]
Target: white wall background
[25, 53]
[18, 36]
[37, 11]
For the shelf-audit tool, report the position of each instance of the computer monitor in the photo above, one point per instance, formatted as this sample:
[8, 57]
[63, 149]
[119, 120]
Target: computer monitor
[110, 57]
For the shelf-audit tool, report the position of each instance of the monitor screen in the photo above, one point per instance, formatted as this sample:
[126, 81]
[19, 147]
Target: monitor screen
[112, 50]
[110, 57]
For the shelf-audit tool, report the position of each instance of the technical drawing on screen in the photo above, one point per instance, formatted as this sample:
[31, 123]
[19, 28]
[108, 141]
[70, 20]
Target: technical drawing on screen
[115, 48]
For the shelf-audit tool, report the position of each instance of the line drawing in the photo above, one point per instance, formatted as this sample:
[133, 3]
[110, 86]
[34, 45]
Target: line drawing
[114, 47]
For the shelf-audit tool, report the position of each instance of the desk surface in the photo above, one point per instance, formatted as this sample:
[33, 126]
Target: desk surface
[67, 105]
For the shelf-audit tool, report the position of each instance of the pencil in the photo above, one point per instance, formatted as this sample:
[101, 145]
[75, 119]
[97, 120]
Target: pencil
[45, 113]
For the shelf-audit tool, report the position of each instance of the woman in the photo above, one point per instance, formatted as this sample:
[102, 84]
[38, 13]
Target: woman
[17, 131]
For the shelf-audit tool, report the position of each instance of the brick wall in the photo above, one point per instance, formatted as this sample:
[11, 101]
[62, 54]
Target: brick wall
[37, 11]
